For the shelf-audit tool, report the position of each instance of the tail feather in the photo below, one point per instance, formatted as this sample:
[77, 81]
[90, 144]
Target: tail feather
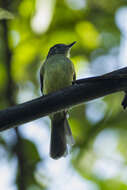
[69, 137]
[58, 139]
[60, 136]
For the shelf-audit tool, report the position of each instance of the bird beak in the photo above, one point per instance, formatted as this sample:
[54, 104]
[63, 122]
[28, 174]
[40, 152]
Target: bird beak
[70, 45]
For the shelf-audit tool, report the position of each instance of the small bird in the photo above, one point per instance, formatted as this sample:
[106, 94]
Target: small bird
[58, 72]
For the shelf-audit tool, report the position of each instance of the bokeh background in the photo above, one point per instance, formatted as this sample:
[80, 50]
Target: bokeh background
[98, 160]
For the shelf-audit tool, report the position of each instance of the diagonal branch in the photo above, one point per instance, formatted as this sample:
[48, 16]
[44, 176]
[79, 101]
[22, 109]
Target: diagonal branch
[83, 90]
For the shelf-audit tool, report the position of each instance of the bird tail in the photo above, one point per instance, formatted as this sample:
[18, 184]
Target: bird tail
[60, 135]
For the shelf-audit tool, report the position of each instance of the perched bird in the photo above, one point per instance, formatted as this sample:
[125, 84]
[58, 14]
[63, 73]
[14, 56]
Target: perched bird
[58, 72]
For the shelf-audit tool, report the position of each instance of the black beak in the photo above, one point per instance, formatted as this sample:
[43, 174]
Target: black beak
[70, 45]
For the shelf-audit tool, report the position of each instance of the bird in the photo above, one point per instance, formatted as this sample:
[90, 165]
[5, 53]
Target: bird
[58, 72]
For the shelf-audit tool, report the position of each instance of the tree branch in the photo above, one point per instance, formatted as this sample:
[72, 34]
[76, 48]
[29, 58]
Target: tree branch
[83, 90]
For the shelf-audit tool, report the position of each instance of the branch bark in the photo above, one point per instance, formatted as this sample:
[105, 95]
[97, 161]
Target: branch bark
[81, 91]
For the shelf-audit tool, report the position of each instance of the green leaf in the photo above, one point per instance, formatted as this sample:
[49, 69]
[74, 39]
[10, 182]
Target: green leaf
[4, 14]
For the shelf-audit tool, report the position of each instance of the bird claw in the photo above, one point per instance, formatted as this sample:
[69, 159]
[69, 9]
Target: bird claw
[124, 102]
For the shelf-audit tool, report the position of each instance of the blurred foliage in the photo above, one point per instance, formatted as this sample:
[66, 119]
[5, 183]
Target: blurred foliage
[29, 158]
[4, 14]
[24, 42]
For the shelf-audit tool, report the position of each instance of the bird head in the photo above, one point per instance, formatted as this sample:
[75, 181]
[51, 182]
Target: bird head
[60, 49]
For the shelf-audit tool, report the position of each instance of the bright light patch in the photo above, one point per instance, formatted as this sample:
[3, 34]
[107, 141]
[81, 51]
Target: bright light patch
[76, 5]
[95, 111]
[106, 142]
[64, 177]
[121, 19]
[88, 35]
[15, 38]
[8, 173]
[106, 169]
[43, 15]
[123, 52]
[104, 64]
[26, 92]
[37, 131]
[124, 175]
[109, 162]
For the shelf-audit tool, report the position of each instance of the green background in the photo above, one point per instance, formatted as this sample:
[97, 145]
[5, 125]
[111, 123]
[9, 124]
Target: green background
[28, 28]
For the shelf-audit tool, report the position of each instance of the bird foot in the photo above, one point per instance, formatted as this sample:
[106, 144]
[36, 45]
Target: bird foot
[124, 102]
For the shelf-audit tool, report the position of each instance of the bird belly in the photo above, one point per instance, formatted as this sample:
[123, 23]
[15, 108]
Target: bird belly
[57, 76]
